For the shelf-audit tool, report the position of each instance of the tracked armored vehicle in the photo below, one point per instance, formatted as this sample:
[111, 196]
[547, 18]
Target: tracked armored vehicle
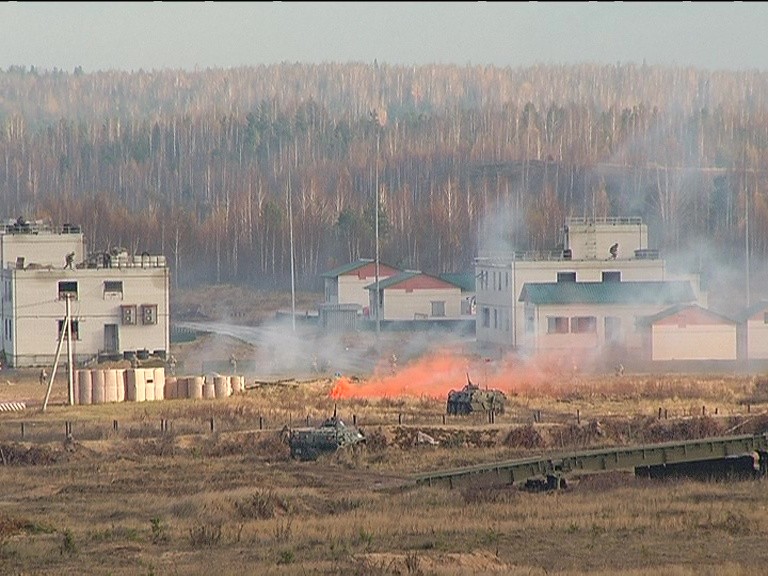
[471, 398]
[332, 435]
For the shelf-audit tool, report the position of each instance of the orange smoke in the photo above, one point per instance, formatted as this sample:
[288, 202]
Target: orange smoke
[437, 374]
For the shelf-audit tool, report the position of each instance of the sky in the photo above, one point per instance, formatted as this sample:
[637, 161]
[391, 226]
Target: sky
[134, 36]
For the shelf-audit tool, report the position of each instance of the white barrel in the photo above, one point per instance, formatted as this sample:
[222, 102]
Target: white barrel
[221, 386]
[135, 385]
[182, 387]
[84, 387]
[159, 374]
[149, 383]
[110, 385]
[236, 383]
[196, 385]
[120, 383]
[209, 388]
[84, 377]
[171, 388]
[98, 390]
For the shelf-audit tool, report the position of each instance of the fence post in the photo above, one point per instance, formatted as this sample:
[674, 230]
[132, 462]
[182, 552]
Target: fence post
[399, 418]
[115, 425]
[22, 430]
[213, 425]
[578, 417]
[261, 422]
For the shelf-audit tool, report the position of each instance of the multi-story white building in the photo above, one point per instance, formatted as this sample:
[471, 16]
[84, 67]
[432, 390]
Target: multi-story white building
[595, 250]
[117, 302]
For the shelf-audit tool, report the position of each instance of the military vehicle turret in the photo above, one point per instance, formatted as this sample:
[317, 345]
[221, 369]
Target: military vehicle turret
[472, 398]
[331, 435]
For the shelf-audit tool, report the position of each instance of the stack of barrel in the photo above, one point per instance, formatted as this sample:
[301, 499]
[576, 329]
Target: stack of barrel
[100, 386]
[203, 387]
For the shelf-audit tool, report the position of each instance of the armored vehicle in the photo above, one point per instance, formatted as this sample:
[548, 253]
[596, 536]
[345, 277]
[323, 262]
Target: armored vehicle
[472, 398]
[331, 435]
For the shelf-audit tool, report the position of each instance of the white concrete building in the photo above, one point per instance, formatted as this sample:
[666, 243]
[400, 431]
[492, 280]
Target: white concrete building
[586, 320]
[413, 295]
[346, 284]
[753, 332]
[690, 332]
[117, 303]
[595, 250]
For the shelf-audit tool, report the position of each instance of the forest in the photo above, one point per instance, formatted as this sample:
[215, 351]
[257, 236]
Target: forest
[230, 172]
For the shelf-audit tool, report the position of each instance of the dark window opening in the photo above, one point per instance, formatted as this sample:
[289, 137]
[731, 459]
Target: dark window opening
[582, 324]
[113, 286]
[557, 325]
[67, 288]
[74, 327]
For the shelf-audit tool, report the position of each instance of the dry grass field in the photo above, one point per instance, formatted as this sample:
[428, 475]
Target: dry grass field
[229, 500]
[199, 487]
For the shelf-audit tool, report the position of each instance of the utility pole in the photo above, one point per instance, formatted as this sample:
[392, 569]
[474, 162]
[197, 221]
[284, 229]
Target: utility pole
[64, 332]
[293, 265]
[70, 370]
[376, 217]
[746, 226]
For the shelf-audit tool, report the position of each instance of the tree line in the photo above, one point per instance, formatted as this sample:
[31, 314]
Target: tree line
[206, 167]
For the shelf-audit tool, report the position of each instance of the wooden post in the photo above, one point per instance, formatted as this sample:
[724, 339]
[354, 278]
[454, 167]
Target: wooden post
[22, 430]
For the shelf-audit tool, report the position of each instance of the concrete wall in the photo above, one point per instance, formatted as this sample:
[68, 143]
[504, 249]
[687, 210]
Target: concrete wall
[626, 337]
[33, 309]
[43, 249]
[757, 337]
[693, 342]
[400, 304]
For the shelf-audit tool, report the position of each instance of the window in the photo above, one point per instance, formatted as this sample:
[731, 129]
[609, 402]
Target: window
[611, 276]
[149, 314]
[113, 289]
[67, 288]
[128, 314]
[438, 308]
[486, 317]
[566, 276]
[74, 327]
[557, 325]
[582, 324]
